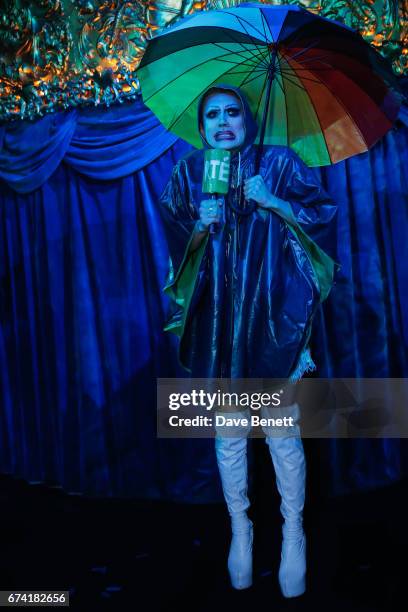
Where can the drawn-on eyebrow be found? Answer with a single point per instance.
(232, 105)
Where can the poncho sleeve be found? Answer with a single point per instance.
(315, 217)
(179, 214)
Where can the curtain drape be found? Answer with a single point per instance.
(101, 143)
(83, 261)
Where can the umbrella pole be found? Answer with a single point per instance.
(270, 77)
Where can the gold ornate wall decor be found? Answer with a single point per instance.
(57, 54)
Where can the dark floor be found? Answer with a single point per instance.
(137, 555)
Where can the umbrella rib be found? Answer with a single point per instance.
(310, 59)
(262, 52)
(263, 25)
(286, 74)
(254, 42)
(225, 61)
(294, 83)
(242, 20)
(306, 69)
(248, 67)
(286, 58)
(235, 52)
(295, 40)
(304, 49)
(259, 70)
(257, 59)
(245, 62)
(247, 79)
(264, 61)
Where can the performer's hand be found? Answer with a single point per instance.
(255, 189)
(209, 213)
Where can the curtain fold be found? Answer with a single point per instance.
(102, 143)
(83, 260)
(30, 151)
(111, 143)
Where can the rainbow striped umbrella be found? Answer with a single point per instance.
(313, 84)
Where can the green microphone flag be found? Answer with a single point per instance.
(216, 171)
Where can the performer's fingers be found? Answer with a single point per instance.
(253, 179)
(252, 188)
(250, 192)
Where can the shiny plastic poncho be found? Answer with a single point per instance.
(243, 302)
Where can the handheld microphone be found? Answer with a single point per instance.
(216, 175)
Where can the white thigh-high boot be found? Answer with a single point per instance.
(290, 468)
(231, 456)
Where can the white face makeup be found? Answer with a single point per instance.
(223, 121)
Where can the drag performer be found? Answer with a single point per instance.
(244, 297)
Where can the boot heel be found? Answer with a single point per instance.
(232, 464)
(240, 559)
(290, 468)
(292, 570)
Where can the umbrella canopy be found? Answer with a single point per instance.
(312, 83)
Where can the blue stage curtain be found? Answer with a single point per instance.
(102, 143)
(82, 263)
(362, 330)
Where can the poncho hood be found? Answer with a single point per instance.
(251, 127)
